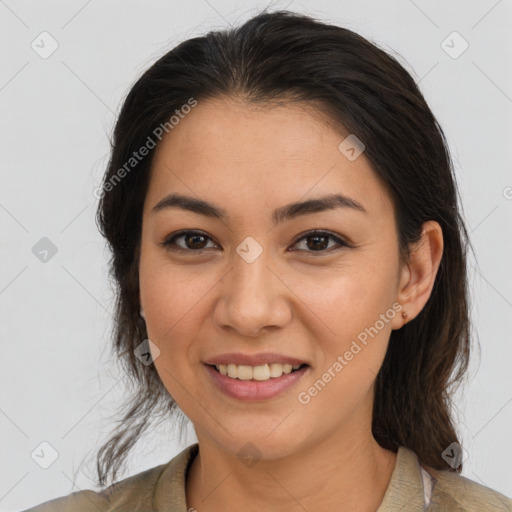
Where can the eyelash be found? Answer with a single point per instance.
(169, 242)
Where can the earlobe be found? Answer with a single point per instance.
(417, 280)
(141, 310)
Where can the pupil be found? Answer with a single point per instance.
(192, 237)
(316, 238)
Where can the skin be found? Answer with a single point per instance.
(305, 303)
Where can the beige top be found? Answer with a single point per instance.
(412, 488)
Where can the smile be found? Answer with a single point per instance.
(254, 383)
(260, 372)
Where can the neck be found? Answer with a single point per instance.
(343, 472)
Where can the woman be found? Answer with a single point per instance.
(291, 268)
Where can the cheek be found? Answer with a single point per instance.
(353, 299)
(176, 301)
(351, 306)
(172, 301)
(168, 290)
(355, 346)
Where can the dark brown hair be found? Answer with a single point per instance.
(283, 56)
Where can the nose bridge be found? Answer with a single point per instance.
(251, 298)
(250, 272)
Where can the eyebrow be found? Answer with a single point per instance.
(280, 215)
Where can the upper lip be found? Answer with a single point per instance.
(254, 359)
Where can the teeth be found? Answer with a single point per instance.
(263, 372)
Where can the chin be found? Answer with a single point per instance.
(254, 445)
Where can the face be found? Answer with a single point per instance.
(235, 279)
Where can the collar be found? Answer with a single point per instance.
(405, 490)
(170, 488)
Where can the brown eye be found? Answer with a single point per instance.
(192, 241)
(195, 241)
(315, 241)
(318, 241)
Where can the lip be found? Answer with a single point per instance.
(252, 390)
(254, 359)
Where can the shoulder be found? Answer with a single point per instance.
(455, 492)
(141, 492)
(416, 486)
(136, 490)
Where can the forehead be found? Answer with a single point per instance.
(230, 151)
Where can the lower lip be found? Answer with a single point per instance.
(255, 389)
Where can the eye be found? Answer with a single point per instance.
(319, 241)
(195, 241)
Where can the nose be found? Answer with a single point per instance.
(253, 297)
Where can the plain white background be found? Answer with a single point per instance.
(59, 383)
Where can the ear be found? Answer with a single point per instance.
(141, 310)
(417, 276)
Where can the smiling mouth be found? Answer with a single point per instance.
(257, 373)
